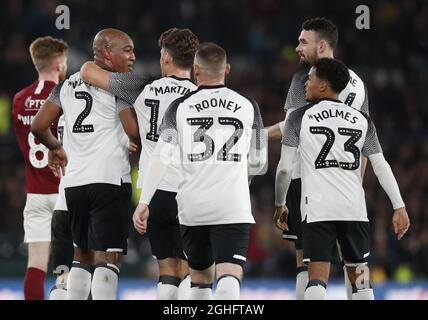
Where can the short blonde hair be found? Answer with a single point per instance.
(44, 50)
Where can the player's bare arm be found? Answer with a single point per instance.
(95, 75)
(129, 121)
(40, 127)
(275, 132)
(282, 183)
(363, 166)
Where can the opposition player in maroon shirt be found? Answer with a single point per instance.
(49, 56)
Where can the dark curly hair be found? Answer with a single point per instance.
(325, 30)
(181, 44)
(334, 71)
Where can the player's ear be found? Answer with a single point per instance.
(323, 85)
(228, 68)
(322, 46)
(106, 54)
(167, 57)
(196, 70)
(57, 65)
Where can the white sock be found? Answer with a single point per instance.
(228, 288)
(201, 292)
(104, 282)
(316, 290)
(348, 284)
(363, 294)
(302, 280)
(166, 291)
(184, 289)
(58, 292)
(167, 288)
(79, 282)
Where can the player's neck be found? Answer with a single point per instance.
(330, 96)
(49, 76)
(202, 81)
(326, 54)
(179, 73)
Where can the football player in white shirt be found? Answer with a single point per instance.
(62, 243)
(332, 137)
(150, 99)
(213, 128)
(318, 39)
(98, 182)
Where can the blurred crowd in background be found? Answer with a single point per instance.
(260, 37)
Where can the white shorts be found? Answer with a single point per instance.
(61, 204)
(38, 217)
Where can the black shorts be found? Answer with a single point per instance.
(320, 240)
(204, 245)
(100, 216)
(163, 227)
(294, 220)
(62, 243)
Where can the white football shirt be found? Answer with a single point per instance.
(331, 137)
(150, 104)
(96, 141)
(354, 95)
(213, 127)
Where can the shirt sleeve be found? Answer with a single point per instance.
(296, 96)
(292, 125)
(122, 105)
(127, 86)
(365, 105)
(54, 96)
(258, 138)
(371, 144)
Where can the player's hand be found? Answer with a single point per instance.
(57, 161)
(139, 218)
(401, 222)
(132, 147)
(280, 218)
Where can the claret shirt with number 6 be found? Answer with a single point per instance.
(26, 104)
(332, 137)
(214, 128)
(97, 146)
